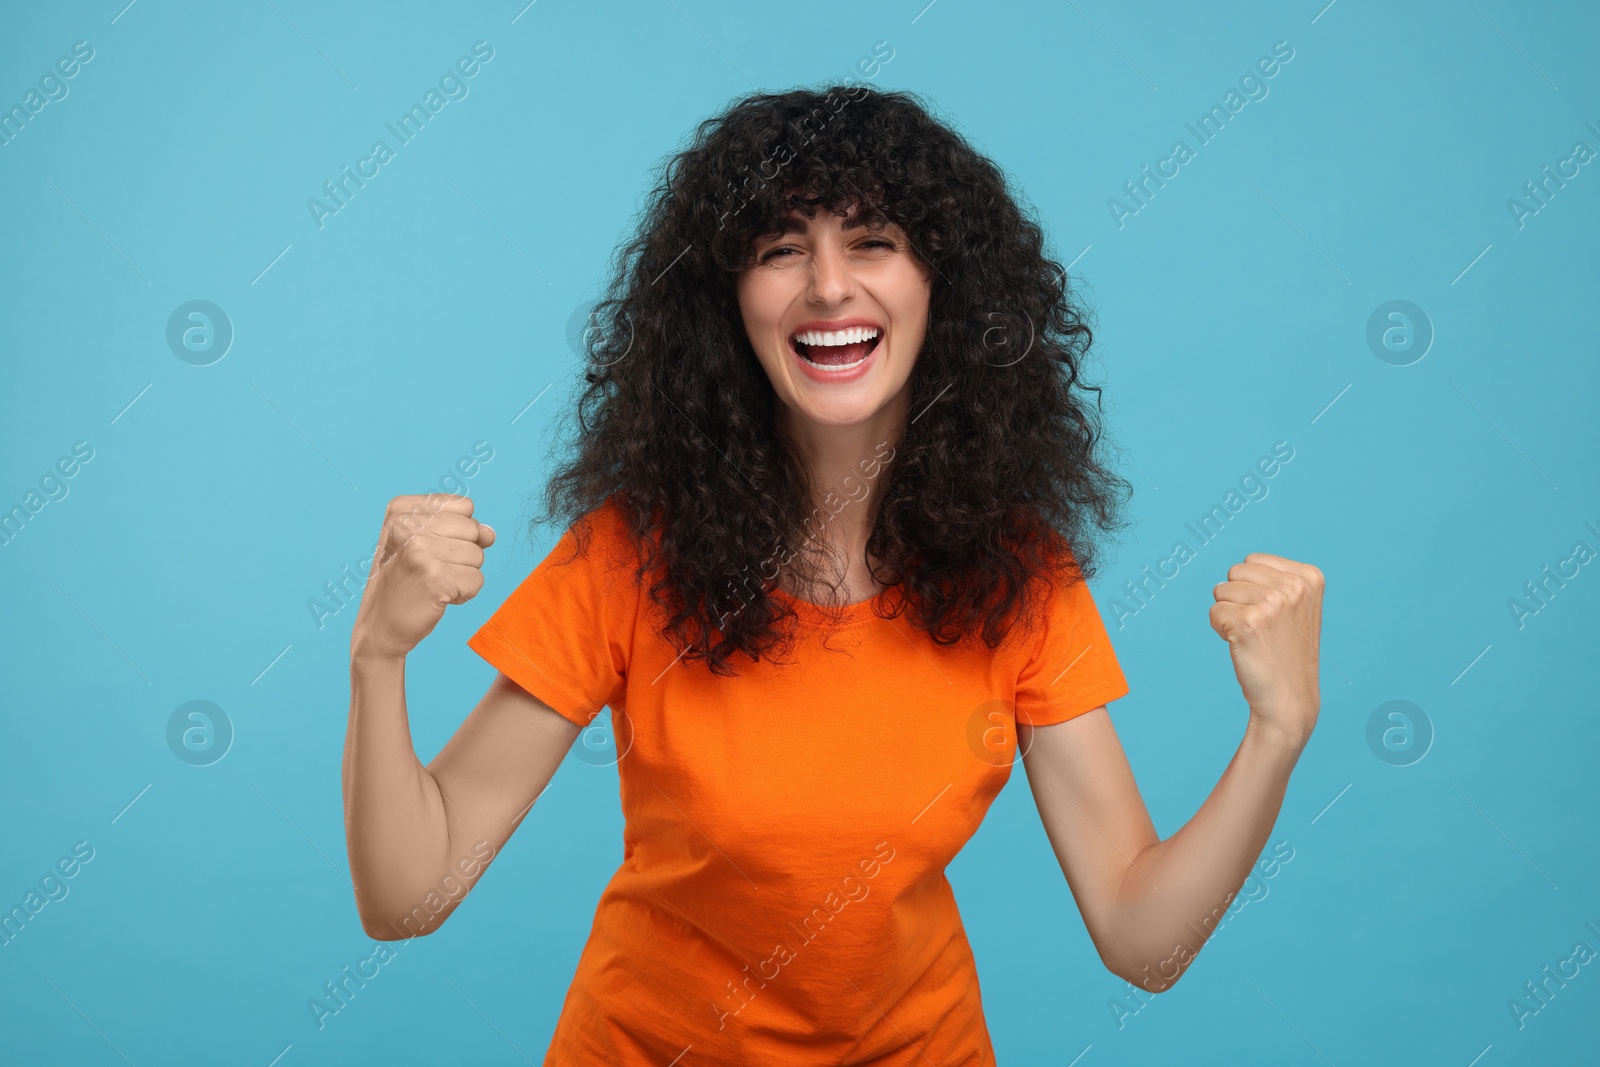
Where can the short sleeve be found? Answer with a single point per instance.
(566, 632)
(1072, 668)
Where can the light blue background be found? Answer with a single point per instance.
(429, 312)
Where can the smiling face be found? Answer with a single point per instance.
(837, 318)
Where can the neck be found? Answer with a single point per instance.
(845, 464)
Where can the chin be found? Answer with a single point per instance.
(834, 418)
(837, 413)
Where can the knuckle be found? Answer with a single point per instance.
(465, 587)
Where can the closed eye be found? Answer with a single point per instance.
(878, 241)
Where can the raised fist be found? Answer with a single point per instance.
(430, 554)
(1270, 613)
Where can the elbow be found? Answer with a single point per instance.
(1143, 978)
(1134, 963)
(1118, 957)
(1130, 951)
(1134, 976)
(401, 916)
(382, 927)
(1152, 976)
(383, 931)
(1117, 961)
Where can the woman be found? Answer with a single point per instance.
(835, 495)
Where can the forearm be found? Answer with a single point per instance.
(1176, 891)
(395, 820)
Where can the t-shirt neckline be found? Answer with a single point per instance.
(847, 614)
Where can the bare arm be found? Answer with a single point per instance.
(1150, 904)
(415, 833)
(419, 837)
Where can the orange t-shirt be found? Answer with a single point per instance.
(782, 896)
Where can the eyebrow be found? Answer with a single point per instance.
(796, 224)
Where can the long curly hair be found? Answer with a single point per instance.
(999, 479)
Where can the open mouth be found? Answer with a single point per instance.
(836, 350)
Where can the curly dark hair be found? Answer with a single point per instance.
(999, 479)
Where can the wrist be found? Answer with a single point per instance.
(1278, 734)
(368, 655)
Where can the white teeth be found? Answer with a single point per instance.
(825, 338)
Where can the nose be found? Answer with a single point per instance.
(831, 279)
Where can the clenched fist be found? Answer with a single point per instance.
(430, 553)
(1270, 613)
